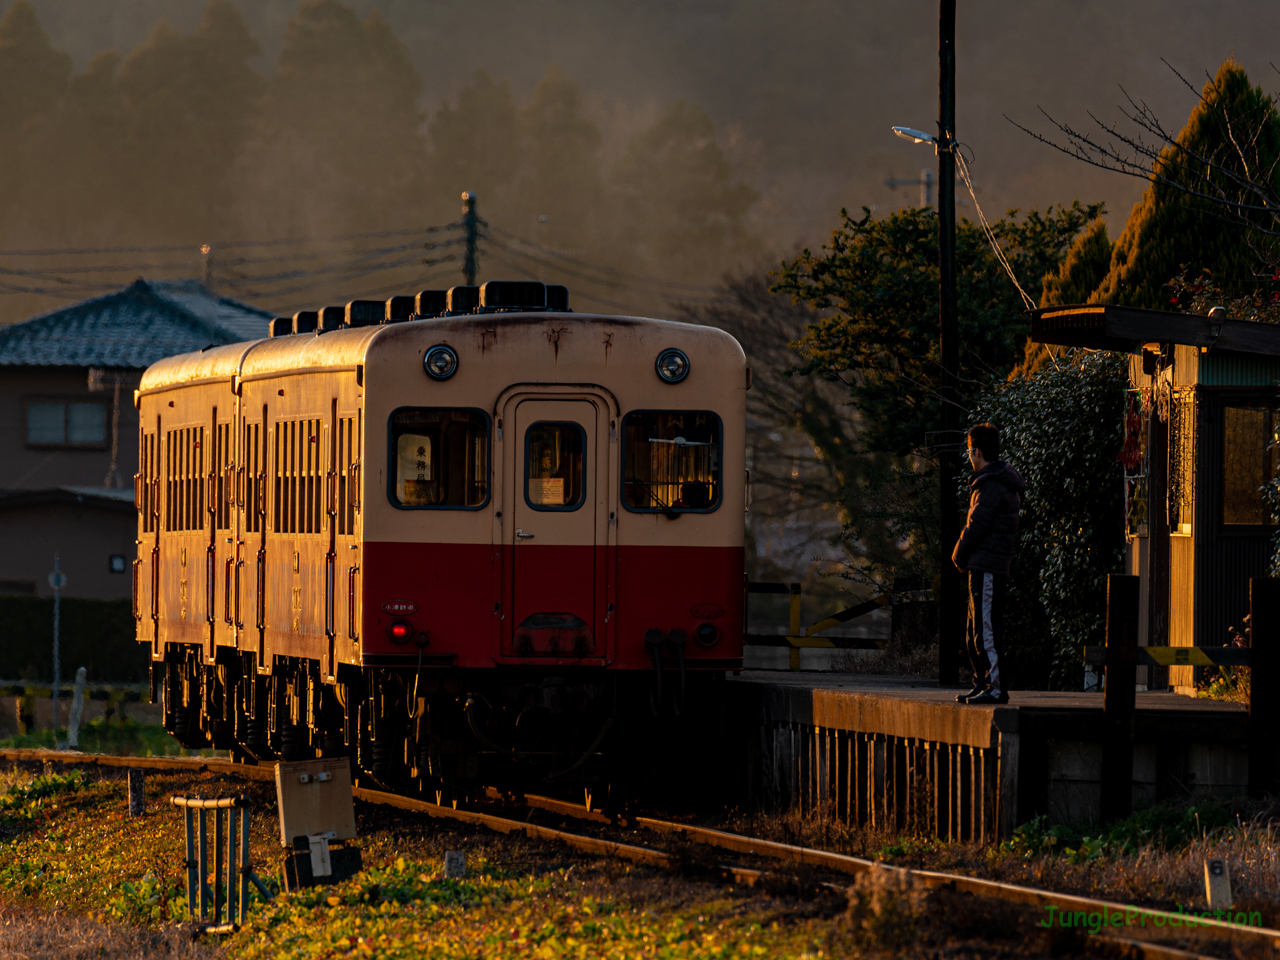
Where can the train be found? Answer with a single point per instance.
(467, 537)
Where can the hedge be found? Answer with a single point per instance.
(95, 634)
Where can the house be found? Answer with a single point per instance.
(1200, 421)
(68, 427)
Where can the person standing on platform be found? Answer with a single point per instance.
(984, 552)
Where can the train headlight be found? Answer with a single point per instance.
(400, 631)
(706, 634)
(440, 362)
(672, 365)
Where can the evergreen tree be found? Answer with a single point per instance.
(85, 192)
(1170, 229)
(475, 144)
(189, 102)
(33, 81)
(678, 195)
(1083, 268)
(561, 178)
(340, 145)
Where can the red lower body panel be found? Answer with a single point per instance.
(465, 598)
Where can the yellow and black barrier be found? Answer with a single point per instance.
(798, 637)
(1176, 656)
(1122, 656)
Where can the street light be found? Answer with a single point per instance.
(950, 587)
(916, 136)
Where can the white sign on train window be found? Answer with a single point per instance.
(413, 477)
(547, 492)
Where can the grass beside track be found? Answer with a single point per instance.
(66, 846)
(121, 738)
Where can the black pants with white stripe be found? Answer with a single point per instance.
(985, 635)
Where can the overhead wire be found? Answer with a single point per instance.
(963, 167)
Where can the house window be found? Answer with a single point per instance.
(1248, 464)
(62, 423)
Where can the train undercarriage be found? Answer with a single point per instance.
(446, 734)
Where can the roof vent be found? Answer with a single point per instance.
(330, 318)
(366, 313)
(400, 309)
(505, 295)
(431, 303)
(558, 298)
(304, 321)
(462, 300)
(280, 327)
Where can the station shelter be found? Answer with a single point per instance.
(1199, 449)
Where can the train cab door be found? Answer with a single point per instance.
(558, 529)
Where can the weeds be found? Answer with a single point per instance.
(122, 738)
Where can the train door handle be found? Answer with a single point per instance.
(521, 535)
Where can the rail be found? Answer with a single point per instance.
(842, 863)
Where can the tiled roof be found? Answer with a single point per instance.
(131, 328)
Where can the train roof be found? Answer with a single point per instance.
(348, 347)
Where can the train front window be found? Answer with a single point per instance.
(554, 466)
(439, 458)
(672, 460)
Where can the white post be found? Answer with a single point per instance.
(77, 711)
(57, 581)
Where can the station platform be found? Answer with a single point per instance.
(900, 752)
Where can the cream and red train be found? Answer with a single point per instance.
(493, 539)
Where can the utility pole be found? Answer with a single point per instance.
(950, 583)
(471, 223)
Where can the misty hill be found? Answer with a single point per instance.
(795, 101)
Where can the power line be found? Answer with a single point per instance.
(232, 244)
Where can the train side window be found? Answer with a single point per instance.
(671, 461)
(439, 458)
(554, 466)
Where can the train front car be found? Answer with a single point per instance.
(495, 548)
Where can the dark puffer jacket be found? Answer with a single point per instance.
(991, 531)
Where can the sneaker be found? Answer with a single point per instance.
(986, 697)
(964, 697)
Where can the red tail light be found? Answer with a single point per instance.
(400, 631)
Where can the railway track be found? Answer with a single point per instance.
(823, 860)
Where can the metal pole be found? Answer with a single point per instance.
(471, 223)
(233, 844)
(192, 877)
(57, 657)
(204, 864)
(244, 864)
(219, 818)
(950, 586)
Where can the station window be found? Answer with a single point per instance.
(672, 460)
(554, 466)
(439, 458)
(60, 423)
(1248, 464)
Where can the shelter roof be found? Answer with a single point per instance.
(132, 327)
(1109, 327)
